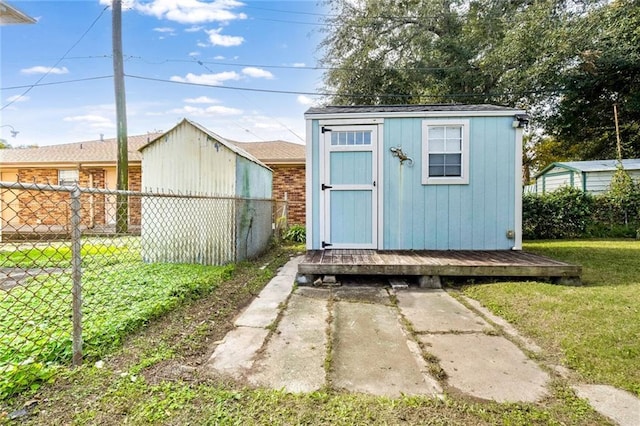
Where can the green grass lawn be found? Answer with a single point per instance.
(593, 329)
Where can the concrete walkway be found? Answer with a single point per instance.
(375, 340)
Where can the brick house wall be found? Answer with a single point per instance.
(53, 208)
(135, 203)
(291, 179)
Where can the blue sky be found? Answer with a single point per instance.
(266, 45)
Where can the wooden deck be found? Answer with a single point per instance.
(433, 262)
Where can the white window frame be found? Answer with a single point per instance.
(445, 180)
(62, 181)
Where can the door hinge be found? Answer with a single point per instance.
(326, 187)
(324, 129)
(324, 245)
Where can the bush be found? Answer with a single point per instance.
(570, 213)
(564, 213)
(296, 234)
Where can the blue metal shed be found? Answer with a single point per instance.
(414, 177)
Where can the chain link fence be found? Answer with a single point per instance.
(81, 267)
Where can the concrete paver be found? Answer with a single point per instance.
(489, 367)
(264, 308)
(294, 357)
(235, 355)
(436, 311)
(377, 295)
(620, 406)
(370, 353)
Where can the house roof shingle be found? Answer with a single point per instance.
(105, 152)
(275, 152)
(96, 151)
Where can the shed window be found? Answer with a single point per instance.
(351, 137)
(445, 152)
(67, 177)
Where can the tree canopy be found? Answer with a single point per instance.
(566, 62)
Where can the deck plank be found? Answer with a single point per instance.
(433, 262)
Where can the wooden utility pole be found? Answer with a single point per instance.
(121, 119)
(618, 143)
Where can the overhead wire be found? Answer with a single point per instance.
(299, 92)
(37, 83)
(247, 100)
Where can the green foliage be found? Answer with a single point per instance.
(568, 213)
(119, 296)
(27, 374)
(296, 234)
(566, 62)
(563, 213)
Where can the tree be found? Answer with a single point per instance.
(383, 51)
(566, 62)
(4, 144)
(607, 72)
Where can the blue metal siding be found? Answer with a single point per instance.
(471, 216)
(450, 217)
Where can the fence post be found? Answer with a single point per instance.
(76, 275)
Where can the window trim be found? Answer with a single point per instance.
(445, 180)
(61, 181)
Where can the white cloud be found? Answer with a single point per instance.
(218, 39)
(305, 100)
(222, 110)
(257, 72)
(194, 29)
(210, 79)
(219, 58)
(39, 69)
(202, 100)
(164, 30)
(92, 120)
(203, 112)
(17, 98)
(194, 53)
(299, 64)
(201, 44)
(191, 11)
(188, 109)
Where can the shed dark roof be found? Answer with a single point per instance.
(337, 109)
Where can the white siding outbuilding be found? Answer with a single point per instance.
(589, 176)
(228, 214)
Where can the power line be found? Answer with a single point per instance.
(301, 92)
(54, 83)
(57, 62)
(348, 95)
(247, 100)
